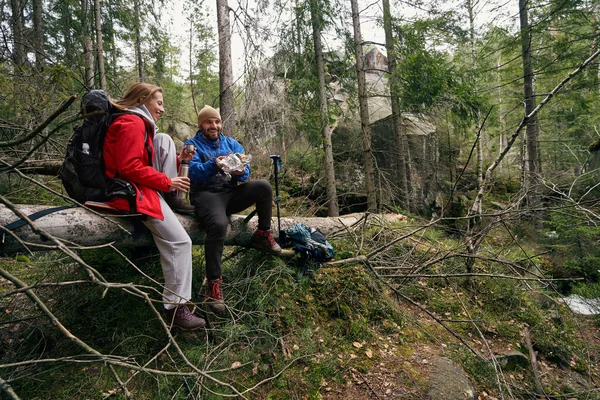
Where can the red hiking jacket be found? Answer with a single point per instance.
(125, 156)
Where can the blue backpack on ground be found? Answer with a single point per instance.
(311, 244)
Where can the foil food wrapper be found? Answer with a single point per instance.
(236, 162)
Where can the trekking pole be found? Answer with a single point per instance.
(276, 168)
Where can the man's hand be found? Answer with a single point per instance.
(186, 154)
(180, 183)
(219, 161)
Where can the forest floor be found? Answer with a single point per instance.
(401, 365)
(346, 335)
(407, 374)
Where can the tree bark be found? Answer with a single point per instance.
(225, 69)
(100, 51)
(478, 127)
(39, 167)
(333, 209)
(191, 64)
(364, 112)
(65, 27)
(475, 222)
(88, 56)
(38, 33)
(403, 177)
(81, 227)
(18, 26)
(532, 128)
(109, 30)
(138, 41)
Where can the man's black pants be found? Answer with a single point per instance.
(213, 209)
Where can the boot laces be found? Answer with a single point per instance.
(215, 290)
(269, 236)
(184, 313)
(271, 239)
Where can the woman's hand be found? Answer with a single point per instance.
(180, 183)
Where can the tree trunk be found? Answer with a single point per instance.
(324, 111)
(108, 32)
(191, 52)
(100, 55)
(18, 26)
(364, 112)
(138, 41)
(298, 31)
(88, 55)
(403, 177)
(83, 228)
(532, 130)
(225, 69)
(501, 112)
(89, 62)
(474, 223)
(38, 33)
(66, 24)
(478, 127)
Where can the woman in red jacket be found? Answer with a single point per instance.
(129, 154)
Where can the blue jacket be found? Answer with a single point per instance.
(204, 173)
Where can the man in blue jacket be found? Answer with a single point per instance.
(216, 194)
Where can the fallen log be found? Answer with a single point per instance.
(83, 227)
(40, 167)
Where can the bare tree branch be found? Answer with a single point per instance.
(42, 126)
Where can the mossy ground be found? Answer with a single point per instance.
(343, 333)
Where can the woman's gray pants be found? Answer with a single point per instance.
(172, 241)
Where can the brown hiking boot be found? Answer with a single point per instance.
(214, 297)
(181, 317)
(177, 205)
(264, 241)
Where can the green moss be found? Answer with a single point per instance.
(480, 369)
(22, 258)
(509, 331)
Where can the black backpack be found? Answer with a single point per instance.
(82, 171)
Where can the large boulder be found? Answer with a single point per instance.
(450, 382)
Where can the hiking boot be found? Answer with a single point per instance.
(264, 241)
(214, 297)
(177, 205)
(181, 317)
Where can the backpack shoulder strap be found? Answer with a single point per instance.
(38, 214)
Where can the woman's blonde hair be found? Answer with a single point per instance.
(137, 95)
